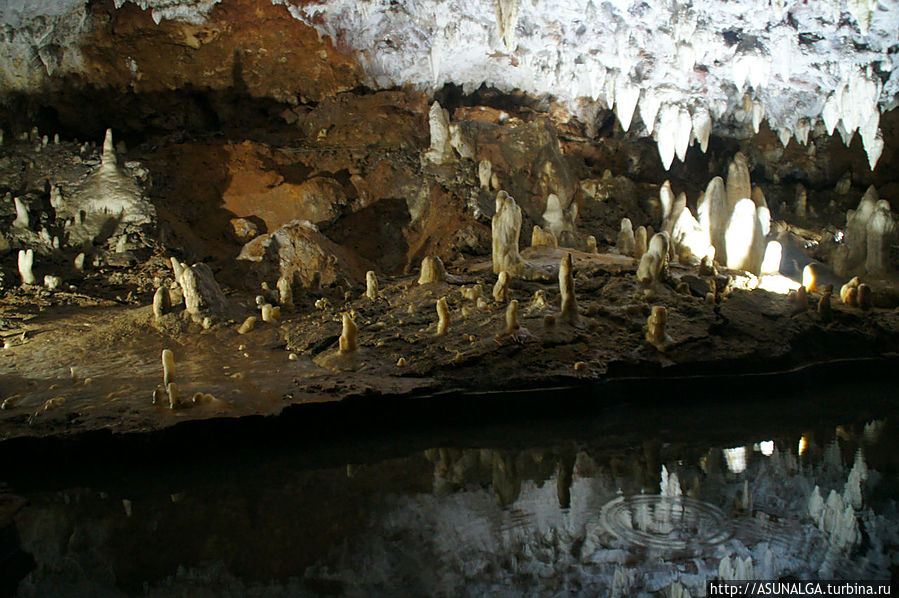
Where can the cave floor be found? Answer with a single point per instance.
(76, 364)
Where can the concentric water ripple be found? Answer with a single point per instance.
(664, 522)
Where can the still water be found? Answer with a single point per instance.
(644, 496)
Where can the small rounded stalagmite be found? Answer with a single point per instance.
(501, 288)
(348, 336)
(442, 316)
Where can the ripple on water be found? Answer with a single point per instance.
(671, 523)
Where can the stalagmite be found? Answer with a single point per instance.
(542, 238)
(626, 241)
(348, 336)
(799, 299)
(247, 325)
(800, 201)
(656, 328)
(512, 326)
(161, 303)
(26, 261)
(653, 265)
(744, 241)
(285, 293)
(371, 285)
(739, 185)
(485, 171)
(506, 226)
(569, 311)
(432, 270)
(556, 219)
(666, 200)
(713, 214)
(441, 149)
(640, 242)
(852, 255)
(55, 198)
(501, 288)
(168, 367)
(880, 232)
(271, 313)
(22, 220)
(471, 293)
(201, 291)
(864, 297)
(79, 262)
(52, 282)
(771, 260)
(849, 292)
(687, 236)
(825, 310)
(442, 316)
(591, 244)
(177, 268)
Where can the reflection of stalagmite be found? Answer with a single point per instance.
(653, 265)
(348, 336)
(626, 241)
(432, 270)
(569, 312)
(506, 225)
(442, 316)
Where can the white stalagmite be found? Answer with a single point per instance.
(442, 316)
(79, 261)
(201, 291)
(687, 235)
(713, 215)
(22, 220)
(569, 311)
(52, 282)
(627, 96)
(739, 185)
(558, 219)
(501, 288)
(666, 199)
(881, 229)
(26, 262)
(485, 171)
(771, 260)
(744, 240)
(55, 198)
(852, 255)
(626, 241)
(247, 325)
(506, 226)
(512, 326)
(432, 270)
(441, 148)
(177, 268)
(348, 341)
(702, 127)
(371, 285)
(654, 263)
(640, 242)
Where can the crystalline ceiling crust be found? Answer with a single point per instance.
(829, 59)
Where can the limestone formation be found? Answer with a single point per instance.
(656, 328)
(772, 258)
(744, 241)
(270, 313)
(849, 292)
(512, 326)
(52, 282)
(501, 288)
(880, 232)
(441, 148)
(557, 219)
(506, 227)
(640, 242)
(22, 219)
(714, 214)
(569, 313)
(432, 270)
(653, 265)
(442, 316)
(485, 171)
(864, 297)
(851, 257)
(202, 294)
(161, 302)
(168, 367)
(247, 325)
(799, 299)
(591, 244)
(177, 268)
(739, 185)
(825, 310)
(348, 341)
(285, 294)
(626, 241)
(26, 261)
(371, 285)
(542, 238)
(800, 201)
(79, 262)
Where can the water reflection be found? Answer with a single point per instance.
(622, 516)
